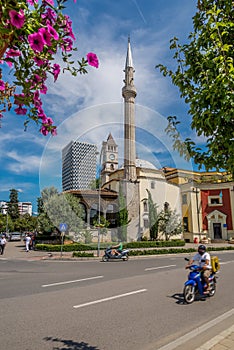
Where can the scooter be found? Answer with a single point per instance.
(108, 255)
(195, 285)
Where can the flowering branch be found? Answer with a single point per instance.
(31, 34)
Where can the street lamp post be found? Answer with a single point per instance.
(99, 202)
(99, 217)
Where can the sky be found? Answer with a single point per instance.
(89, 107)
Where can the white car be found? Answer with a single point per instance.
(15, 236)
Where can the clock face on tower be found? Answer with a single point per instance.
(112, 156)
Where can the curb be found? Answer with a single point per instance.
(218, 338)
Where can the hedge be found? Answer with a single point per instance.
(82, 255)
(82, 248)
(152, 244)
(66, 247)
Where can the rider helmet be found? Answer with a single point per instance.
(201, 249)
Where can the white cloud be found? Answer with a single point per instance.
(26, 164)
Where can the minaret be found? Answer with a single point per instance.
(130, 185)
(129, 93)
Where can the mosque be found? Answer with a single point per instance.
(203, 201)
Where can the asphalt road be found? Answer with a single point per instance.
(100, 306)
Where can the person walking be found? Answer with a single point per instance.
(27, 242)
(3, 242)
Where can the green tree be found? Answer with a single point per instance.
(102, 226)
(153, 217)
(13, 207)
(169, 222)
(122, 216)
(25, 222)
(40, 208)
(205, 78)
(65, 208)
(6, 223)
(45, 225)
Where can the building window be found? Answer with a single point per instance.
(145, 204)
(152, 185)
(185, 224)
(184, 198)
(146, 223)
(215, 201)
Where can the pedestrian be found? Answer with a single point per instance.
(3, 242)
(33, 241)
(27, 242)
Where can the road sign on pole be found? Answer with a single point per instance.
(63, 227)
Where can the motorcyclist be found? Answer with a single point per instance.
(204, 262)
(117, 249)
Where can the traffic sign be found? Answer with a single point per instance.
(63, 227)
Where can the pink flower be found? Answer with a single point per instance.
(39, 62)
(49, 14)
(67, 44)
(54, 132)
(19, 98)
(36, 99)
(56, 71)
(92, 59)
(31, 2)
(46, 36)
(44, 130)
(17, 18)
(13, 53)
(36, 42)
(10, 64)
(49, 121)
(68, 28)
(52, 32)
(20, 111)
(43, 89)
(2, 85)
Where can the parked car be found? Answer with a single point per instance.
(15, 236)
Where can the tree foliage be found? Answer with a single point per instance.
(13, 208)
(153, 217)
(169, 222)
(122, 216)
(63, 208)
(205, 78)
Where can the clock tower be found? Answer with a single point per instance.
(109, 159)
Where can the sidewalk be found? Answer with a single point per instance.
(222, 341)
(16, 250)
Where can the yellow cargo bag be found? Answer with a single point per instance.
(215, 263)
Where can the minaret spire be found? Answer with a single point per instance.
(129, 62)
(129, 93)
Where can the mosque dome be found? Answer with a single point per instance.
(141, 163)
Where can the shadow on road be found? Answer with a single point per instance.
(179, 298)
(67, 344)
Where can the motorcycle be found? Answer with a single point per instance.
(108, 255)
(195, 285)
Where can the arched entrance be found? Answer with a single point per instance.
(217, 225)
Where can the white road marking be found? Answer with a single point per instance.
(158, 267)
(110, 298)
(74, 281)
(196, 332)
